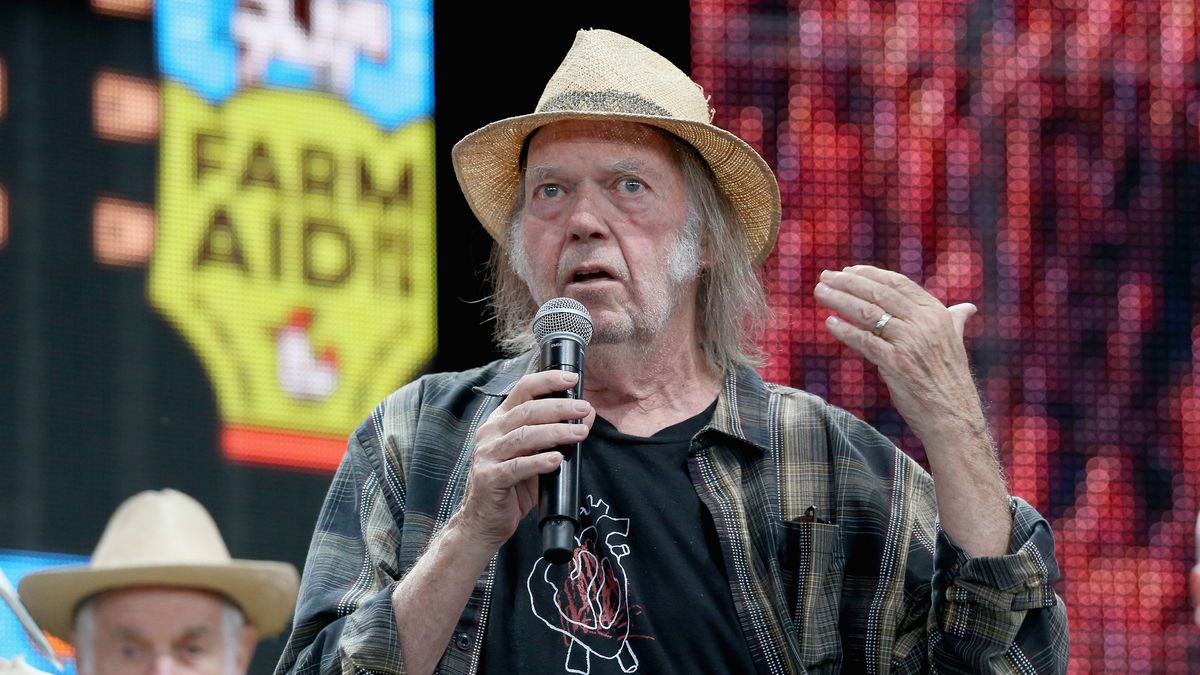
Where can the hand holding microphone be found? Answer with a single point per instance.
(515, 447)
(563, 327)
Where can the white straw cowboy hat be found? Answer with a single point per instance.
(163, 538)
(607, 76)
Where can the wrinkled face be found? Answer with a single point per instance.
(163, 630)
(606, 222)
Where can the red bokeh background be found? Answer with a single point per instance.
(1038, 158)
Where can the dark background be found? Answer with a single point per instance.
(99, 397)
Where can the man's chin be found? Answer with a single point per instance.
(599, 302)
(611, 330)
(598, 294)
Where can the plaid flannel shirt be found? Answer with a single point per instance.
(829, 533)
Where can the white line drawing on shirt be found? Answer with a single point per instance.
(587, 599)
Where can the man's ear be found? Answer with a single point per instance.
(247, 641)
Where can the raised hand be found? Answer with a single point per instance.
(914, 340)
(917, 344)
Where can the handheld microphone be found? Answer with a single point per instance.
(563, 328)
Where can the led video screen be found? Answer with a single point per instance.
(1041, 160)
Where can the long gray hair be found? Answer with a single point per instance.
(731, 303)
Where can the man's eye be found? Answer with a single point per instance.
(548, 191)
(130, 652)
(630, 185)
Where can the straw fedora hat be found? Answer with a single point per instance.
(163, 538)
(607, 76)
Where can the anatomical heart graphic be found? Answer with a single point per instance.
(587, 599)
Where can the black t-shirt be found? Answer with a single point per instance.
(646, 591)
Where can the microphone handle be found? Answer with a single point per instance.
(558, 491)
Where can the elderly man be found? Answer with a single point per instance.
(725, 524)
(161, 594)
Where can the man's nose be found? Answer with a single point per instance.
(165, 664)
(587, 218)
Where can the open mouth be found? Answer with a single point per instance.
(584, 276)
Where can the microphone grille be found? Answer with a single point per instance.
(562, 315)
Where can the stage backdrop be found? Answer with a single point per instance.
(1041, 160)
(227, 230)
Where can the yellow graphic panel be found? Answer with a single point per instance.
(295, 252)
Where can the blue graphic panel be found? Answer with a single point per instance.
(375, 54)
(13, 639)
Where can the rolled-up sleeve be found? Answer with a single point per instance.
(999, 613)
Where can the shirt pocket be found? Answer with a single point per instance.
(812, 563)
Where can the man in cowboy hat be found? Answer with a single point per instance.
(162, 594)
(725, 525)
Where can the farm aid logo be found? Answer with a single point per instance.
(295, 246)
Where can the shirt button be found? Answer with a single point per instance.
(462, 641)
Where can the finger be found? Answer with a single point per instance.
(541, 411)
(901, 284)
(876, 350)
(529, 440)
(881, 295)
(539, 384)
(527, 495)
(851, 307)
(521, 469)
(960, 313)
